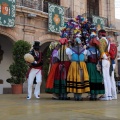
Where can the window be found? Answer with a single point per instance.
(93, 7)
(45, 8)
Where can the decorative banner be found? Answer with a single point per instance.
(99, 22)
(7, 13)
(56, 18)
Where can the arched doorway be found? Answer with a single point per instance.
(5, 60)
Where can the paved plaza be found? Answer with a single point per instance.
(17, 107)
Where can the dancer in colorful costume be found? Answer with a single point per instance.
(52, 73)
(104, 47)
(62, 70)
(35, 71)
(77, 78)
(95, 76)
(113, 54)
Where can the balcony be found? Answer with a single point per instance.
(39, 5)
(89, 17)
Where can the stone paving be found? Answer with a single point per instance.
(17, 107)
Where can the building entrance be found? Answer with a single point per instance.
(6, 45)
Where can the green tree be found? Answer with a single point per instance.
(19, 67)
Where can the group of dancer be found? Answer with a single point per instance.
(82, 61)
(79, 68)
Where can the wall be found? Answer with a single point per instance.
(117, 24)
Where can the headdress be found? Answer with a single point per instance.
(102, 32)
(63, 41)
(53, 45)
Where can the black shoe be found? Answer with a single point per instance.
(92, 99)
(66, 98)
(78, 99)
(61, 98)
(95, 99)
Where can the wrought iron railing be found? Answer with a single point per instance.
(89, 17)
(39, 5)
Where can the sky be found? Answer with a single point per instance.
(117, 9)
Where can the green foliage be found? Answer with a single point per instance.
(46, 65)
(19, 67)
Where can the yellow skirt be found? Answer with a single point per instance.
(75, 82)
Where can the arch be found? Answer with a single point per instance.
(48, 38)
(8, 35)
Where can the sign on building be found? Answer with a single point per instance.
(99, 22)
(56, 18)
(7, 13)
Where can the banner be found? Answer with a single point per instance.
(56, 18)
(7, 13)
(99, 22)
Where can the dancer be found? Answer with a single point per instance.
(35, 71)
(104, 55)
(113, 54)
(77, 78)
(62, 70)
(52, 73)
(95, 76)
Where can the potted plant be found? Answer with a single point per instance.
(19, 67)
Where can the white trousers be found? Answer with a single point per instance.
(34, 73)
(106, 77)
(113, 84)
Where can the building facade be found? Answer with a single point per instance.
(31, 23)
